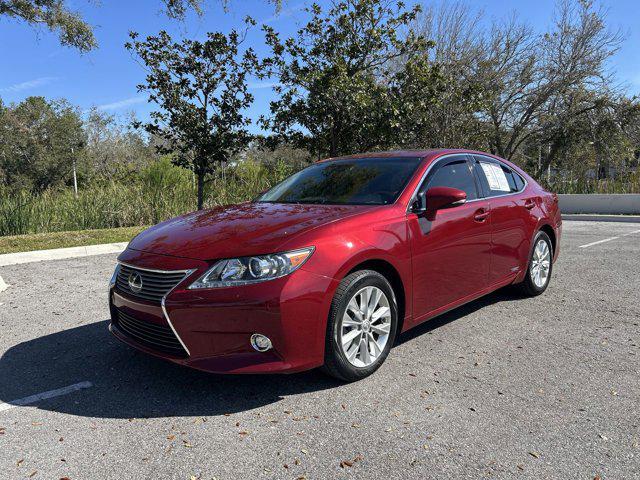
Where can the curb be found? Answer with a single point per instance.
(601, 218)
(60, 253)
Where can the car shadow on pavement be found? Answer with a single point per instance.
(130, 384)
(506, 294)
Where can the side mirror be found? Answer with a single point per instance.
(444, 197)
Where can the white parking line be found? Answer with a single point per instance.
(599, 241)
(44, 395)
(609, 239)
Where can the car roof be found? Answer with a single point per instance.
(402, 154)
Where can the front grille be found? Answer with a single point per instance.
(155, 285)
(152, 335)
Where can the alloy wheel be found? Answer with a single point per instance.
(540, 264)
(365, 326)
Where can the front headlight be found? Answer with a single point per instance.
(246, 270)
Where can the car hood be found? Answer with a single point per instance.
(238, 230)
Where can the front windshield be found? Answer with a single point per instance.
(354, 181)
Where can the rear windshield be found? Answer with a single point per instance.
(362, 181)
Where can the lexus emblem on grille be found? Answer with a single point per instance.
(135, 282)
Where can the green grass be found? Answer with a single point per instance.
(45, 241)
(159, 192)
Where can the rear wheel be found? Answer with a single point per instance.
(540, 266)
(362, 326)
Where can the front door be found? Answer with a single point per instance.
(451, 252)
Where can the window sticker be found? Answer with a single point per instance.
(495, 176)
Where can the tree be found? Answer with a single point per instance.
(451, 121)
(337, 91)
(178, 8)
(592, 131)
(39, 141)
(114, 149)
(525, 76)
(201, 91)
(70, 26)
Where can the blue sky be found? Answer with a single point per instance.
(33, 63)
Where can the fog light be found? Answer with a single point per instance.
(260, 342)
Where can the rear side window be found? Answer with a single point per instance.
(455, 174)
(497, 179)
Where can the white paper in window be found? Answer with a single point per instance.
(495, 176)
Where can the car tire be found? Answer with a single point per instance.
(534, 285)
(360, 287)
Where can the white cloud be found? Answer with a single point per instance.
(261, 85)
(29, 84)
(287, 12)
(121, 103)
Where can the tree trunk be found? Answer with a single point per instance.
(332, 140)
(200, 176)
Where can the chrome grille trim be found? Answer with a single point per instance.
(185, 274)
(155, 284)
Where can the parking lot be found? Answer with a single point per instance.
(504, 387)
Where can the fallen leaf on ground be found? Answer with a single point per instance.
(534, 454)
(19, 462)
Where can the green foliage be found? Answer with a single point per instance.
(339, 89)
(159, 192)
(201, 91)
(72, 30)
(38, 142)
(56, 15)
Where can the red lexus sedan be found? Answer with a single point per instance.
(328, 267)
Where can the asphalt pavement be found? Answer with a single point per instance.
(504, 387)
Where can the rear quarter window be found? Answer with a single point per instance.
(498, 179)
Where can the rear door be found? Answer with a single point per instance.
(451, 252)
(504, 188)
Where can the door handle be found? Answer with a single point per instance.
(481, 215)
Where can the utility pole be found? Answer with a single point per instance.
(75, 178)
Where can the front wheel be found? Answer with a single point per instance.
(362, 326)
(540, 265)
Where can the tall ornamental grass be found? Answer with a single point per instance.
(161, 191)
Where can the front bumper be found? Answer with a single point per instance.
(215, 326)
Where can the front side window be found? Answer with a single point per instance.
(455, 174)
(358, 181)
